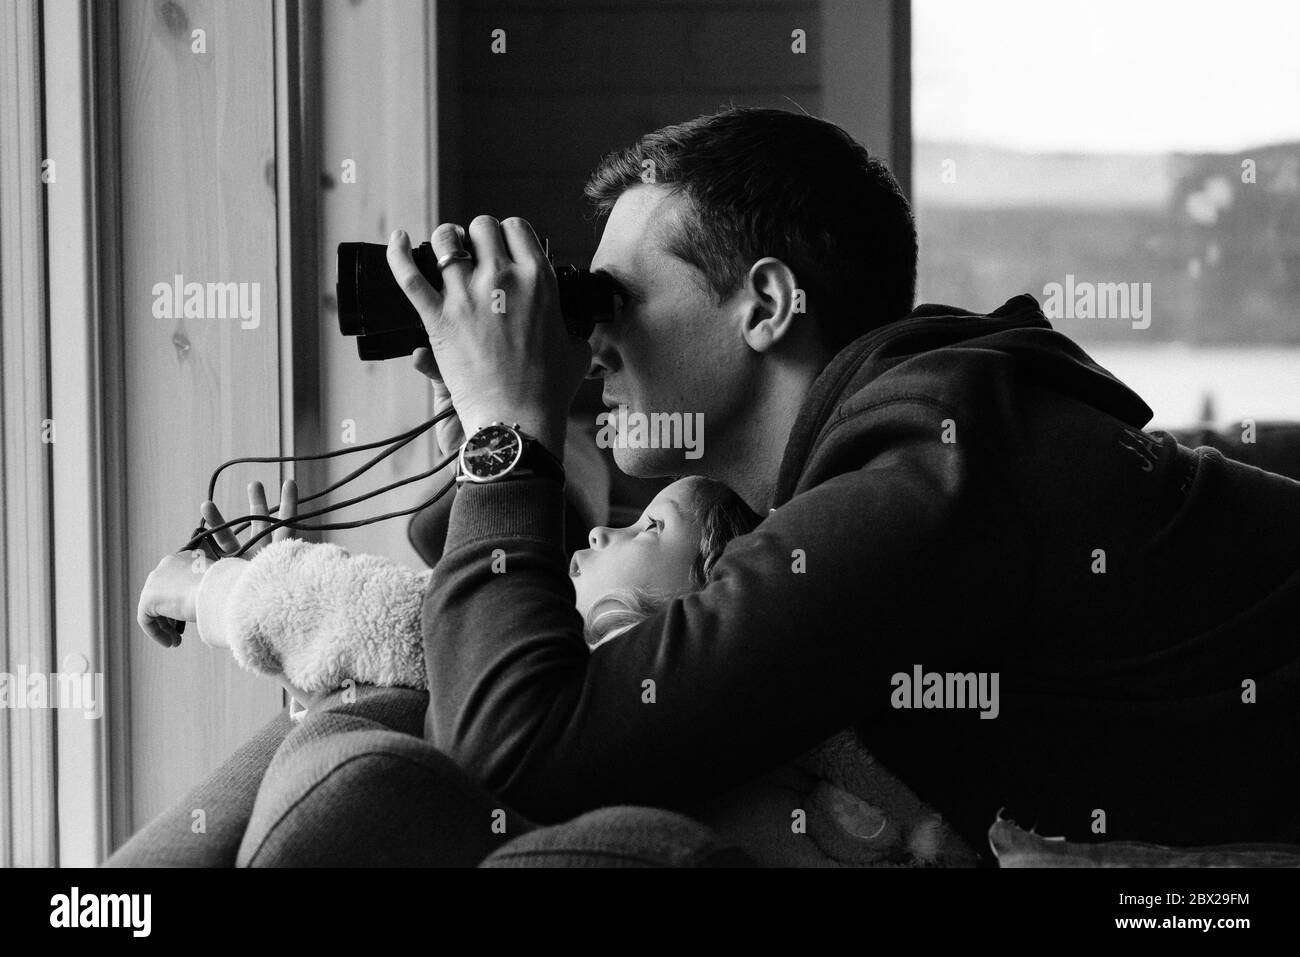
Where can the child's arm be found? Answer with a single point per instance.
(317, 615)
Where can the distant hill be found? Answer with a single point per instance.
(990, 177)
(1222, 253)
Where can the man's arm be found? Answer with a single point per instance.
(724, 684)
(587, 494)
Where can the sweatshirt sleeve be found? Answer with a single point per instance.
(796, 635)
(318, 615)
(587, 489)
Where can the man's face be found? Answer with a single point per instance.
(672, 348)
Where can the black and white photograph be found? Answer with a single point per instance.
(651, 434)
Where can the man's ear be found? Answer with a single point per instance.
(773, 305)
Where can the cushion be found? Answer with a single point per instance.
(355, 785)
(1014, 847)
(621, 837)
(226, 797)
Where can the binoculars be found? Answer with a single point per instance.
(373, 307)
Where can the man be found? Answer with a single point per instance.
(972, 552)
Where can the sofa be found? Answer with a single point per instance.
(358, 786)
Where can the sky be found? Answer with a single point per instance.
(1107, 76)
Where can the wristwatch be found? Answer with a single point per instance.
(499, 451)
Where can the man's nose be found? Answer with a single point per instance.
(603, 357)
(599, 537)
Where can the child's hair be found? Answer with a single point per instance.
(722, 515)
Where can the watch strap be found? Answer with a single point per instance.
(536, 461)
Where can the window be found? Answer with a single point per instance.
(1135, 167)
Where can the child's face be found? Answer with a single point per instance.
(656, 553)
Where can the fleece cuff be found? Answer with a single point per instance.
(215, 611)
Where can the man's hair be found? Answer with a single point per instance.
(766, 182)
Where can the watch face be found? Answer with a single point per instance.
(491, 452)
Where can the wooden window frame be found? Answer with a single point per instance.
(64, 779)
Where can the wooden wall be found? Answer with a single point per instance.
(198, 198)
(377, 110)
(28, 787)
(202, 155)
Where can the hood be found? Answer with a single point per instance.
(1043, 357)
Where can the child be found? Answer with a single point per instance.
(316, 617)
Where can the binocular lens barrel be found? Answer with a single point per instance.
(373, 307)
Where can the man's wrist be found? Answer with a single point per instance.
(548, 432)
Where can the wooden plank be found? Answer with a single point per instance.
(543, 179)
(27, 764)
(546, 133)
(622, 6)
(297, 187)
(198, 199)
(858, 71)
(900, 105)
(82, 563)
(119, 603)
(741, 46)
(376, 104)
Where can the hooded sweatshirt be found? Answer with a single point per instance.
(1022, 602)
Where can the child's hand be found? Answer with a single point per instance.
(169, 595)
(229, 543)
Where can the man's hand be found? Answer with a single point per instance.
(496, 329)
(448, 433)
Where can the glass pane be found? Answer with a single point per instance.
(1135, 167)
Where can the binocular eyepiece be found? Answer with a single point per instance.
(373, 307)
